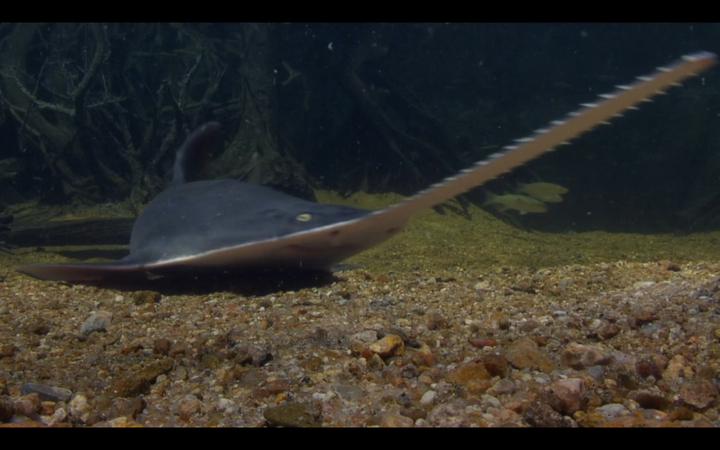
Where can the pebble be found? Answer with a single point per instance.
(97, 321)
(700, 395)
(423, 357)
(451, 415)
(580, 356)
(471, 371)
(525, 354)
(540, 414)
(428, 398)
(496, 365)
(648, 367)
(146, 297)
(161, 347)
(483, 342)
(80, 408)
(567, 396)
(293, 415)
(669, 265)
(503, 386)
(350, 393)
(612, 410)
(361, 340)
(489, 401)
(139, 382)
(58, 417)
(189, 408)
(675, 367)
(124, 422)
(436, 321)
(395, 420)
(650, 398)
(47, 393)
(7, 351)
(390, 345)
(609, 331)
(226, 405)
(28, 405)
(6, 409)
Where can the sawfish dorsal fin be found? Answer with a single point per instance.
(194, 154)
(558, 132)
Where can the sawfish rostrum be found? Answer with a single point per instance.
(219, 226)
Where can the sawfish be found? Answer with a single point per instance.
(225, 226)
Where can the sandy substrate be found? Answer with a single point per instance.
(456, 322)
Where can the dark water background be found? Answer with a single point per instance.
(93, 113)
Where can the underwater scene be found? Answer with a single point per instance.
(359, 225)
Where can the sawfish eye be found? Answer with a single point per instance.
(304, 217)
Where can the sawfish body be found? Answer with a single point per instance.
(227, 225)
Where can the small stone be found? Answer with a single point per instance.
(639, 321)
(260, 356)
(612, 410)
(124, 422)
(681, 413)
(161, 347)
(390, 345)
(409, 371)
(47, 393)
(496, 365)
(362, 340)
(669, 265)
(504, 323)
(469, 372)
(293, 415)
(24, 424)
(591, 419)
(135, 347)
(6, 409)
(699, 395)
(226, 405)
(58, 417)
(567, 396)
(145, 297)
(7, 351)
(609, 331)
(80, 408)
(652, 399)
(124, 407)
(453, 415)
(525, 354)
(436, 321)
(349, 392)
(648, 367)
(526, 326)
(483, 342)
(97, 321)
(675, 367)
(504, 386)
(139, 382)
(375, 363)
(423, 357)
(189, 408)
(277, 386)
(540, 414)
(394, 420)
(580, 356)
(428, 398)
(414, 413)
(28, 405)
